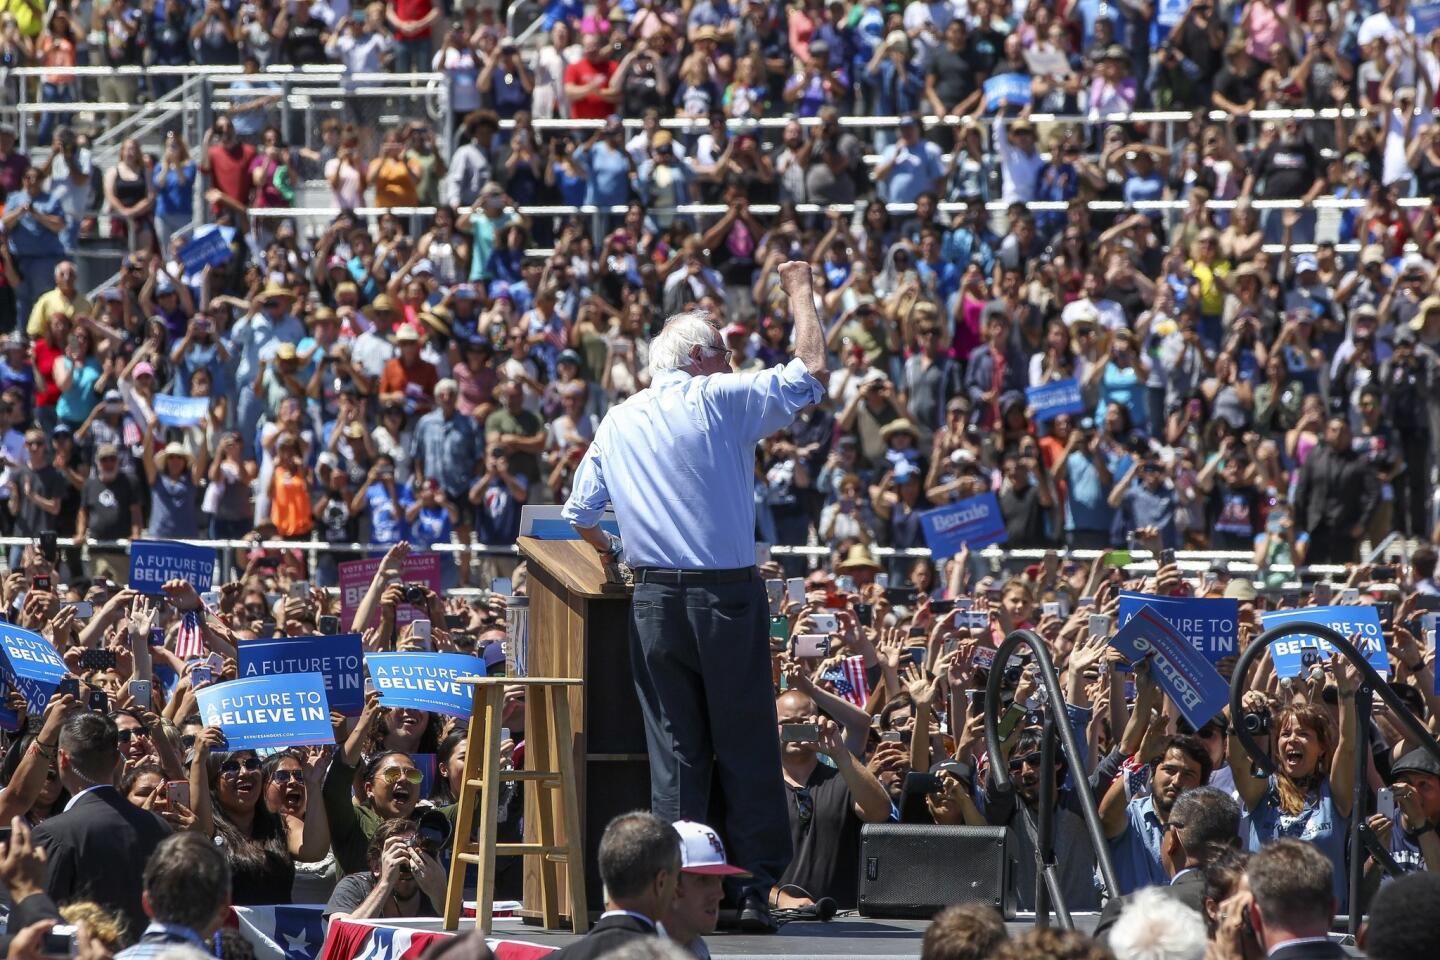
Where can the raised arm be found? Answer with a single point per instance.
(809, 337)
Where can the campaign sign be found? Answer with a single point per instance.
(208, 250)
(1288, 652)
(1054, 399)
(975, 521)
(258, 713)
(1427, 18)
(1181, 671)
(1209, 625)
(1006, 90)
(340, 659)
(425, 681)
(173, 411)
(152, 562)
(355, 577)
(30, 665)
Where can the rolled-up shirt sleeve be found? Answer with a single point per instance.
(588, 493)
(765, 401)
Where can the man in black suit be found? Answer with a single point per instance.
(1290, 905)
(639, 863)
(97, 848)
(1204, 823)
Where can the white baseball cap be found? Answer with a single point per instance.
(702, 852)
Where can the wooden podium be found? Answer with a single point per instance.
(580, 627)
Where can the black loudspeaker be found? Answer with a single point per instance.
(916, 870)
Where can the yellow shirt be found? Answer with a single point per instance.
(52, 302)
(1212, 298)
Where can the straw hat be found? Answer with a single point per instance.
(858, 557)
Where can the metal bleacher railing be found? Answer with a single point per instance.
(303, 91)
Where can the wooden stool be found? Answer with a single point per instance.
(549, 752)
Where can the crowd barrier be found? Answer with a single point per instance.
(1236, 561)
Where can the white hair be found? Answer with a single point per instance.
(1154, 926)
(672, 347)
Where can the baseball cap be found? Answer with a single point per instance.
(702, 852)
(735, 330)
(1372, 253)
(1416, 761)
(1305, 262)
(143, 368)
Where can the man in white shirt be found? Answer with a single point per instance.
(1020, 160)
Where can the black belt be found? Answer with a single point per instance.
(696, 577)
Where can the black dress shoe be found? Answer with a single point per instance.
(755, 916)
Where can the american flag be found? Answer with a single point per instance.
(189, 641)
(1137, 776)
(852, 683)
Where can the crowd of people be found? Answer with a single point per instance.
(1250, 377)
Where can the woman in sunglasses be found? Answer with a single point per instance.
(389, 788)
(290, 786)
(260, 844)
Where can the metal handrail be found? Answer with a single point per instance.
(1372, 684)
(1056, 730)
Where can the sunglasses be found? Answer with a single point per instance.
(232, 768)
(286, 776)
(396, 774)
(1033, 759)
(125, 736)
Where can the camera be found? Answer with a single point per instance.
(1256, 723)
(414, 594)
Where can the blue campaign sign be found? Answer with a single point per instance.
(30, 665)
(1054, 399)
(152, 562)
(173, 411)
(340, 659)
(1006, 90)
(1347, 621)
(425, 681)
(1427, 18)
(207, 250)
(259, 713)
(1187, 678)
(1209, 625)
(975, 521)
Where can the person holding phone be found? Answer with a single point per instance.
(1309, 794)
(826, 804)
(675, 462)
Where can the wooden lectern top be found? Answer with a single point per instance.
(574, 563)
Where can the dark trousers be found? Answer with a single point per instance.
(1412, 490)
(1328, 545)
(701, 656)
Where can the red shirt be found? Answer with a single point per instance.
(593, 107)
(412, 10)
(45, 357)
(230, 172)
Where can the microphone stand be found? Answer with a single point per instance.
(1055, 733)
(1371, 685)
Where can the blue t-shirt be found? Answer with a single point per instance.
(1318, 823)
(387, 524)
(572, 187)
(1086, 508)
(28, 238)
(914, 171)
(76, 403)
(609, 169)
(430, 526)
(174, 191)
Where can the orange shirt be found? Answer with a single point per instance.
(416, 382)
(290, 503)
(394, 183)
(57, 52)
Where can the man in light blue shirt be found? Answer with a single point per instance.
(676, 461)
(257, 337)
(1135, 830)
(911, 166)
